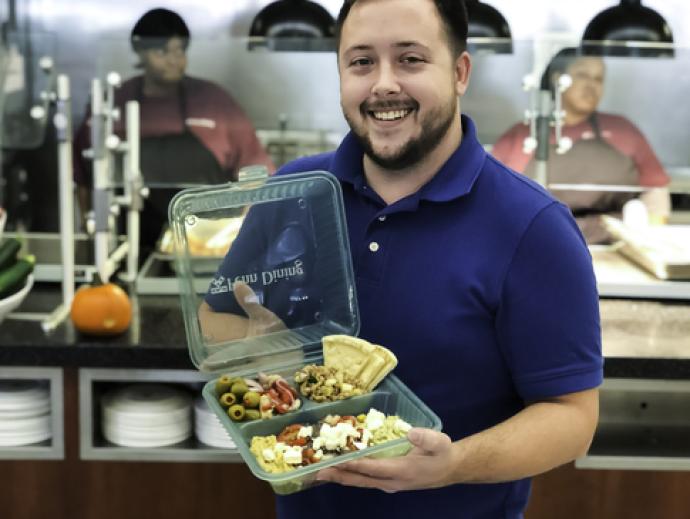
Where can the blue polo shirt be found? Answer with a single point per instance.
(483, 287)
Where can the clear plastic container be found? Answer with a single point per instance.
(292, 250)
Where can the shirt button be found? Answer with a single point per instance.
(373, 246)
(382, 218)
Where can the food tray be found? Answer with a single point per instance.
(663, 250)
(391, 397)
(293, 251)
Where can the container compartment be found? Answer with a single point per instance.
(391, 397)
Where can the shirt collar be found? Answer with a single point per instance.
(455, 178)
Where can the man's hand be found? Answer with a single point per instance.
(260, 319)
(428, 465)
(222, 326)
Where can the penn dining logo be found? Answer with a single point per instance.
(222, 285)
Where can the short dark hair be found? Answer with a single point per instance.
(156, 27)
(453, 15)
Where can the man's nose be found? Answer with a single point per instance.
(386, 82)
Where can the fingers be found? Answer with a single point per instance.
(248, 300)
(429, 441)
(261, 320)
(342, 476)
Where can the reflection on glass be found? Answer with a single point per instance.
(608, 160)
(26, 78)
(267, 277)
(192, 131)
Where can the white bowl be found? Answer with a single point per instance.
(9, 304)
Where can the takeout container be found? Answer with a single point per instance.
(293, 251)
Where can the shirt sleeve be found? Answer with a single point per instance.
(242, 136)
(508, 149)
(629, 140)
(548, 321)
(651, 171)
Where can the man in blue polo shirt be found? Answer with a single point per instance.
(475, 277)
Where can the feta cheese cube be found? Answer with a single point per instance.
(293, 455)
(366, 437)
(280, 447)
(268, 454)
(305, 432)
(374, 419)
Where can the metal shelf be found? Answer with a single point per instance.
(643, 425)
(92, 444)
(54, 448)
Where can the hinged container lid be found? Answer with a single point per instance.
(284, 238)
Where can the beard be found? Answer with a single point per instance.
(434, 127)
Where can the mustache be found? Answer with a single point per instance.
(393, 104)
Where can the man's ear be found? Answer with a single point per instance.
(463, 70)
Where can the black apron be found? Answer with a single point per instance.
(591, 162)
(168, 161)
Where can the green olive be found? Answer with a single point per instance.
(239, 388)
(252, 414)
(236, 412)
(227, 399)
(251, 399)
(223, 384)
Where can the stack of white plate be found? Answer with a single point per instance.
(146, 415)
(24, 412)
(208, 427)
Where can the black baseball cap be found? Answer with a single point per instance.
(156, 27)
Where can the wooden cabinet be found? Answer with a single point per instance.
(75, 488)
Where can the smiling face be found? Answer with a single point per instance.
(399, 82)
(167, 64)
(583, 96)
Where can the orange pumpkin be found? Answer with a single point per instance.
(101, 309)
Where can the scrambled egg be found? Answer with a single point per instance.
(275, 463)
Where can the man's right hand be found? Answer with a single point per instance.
(218, 327)
(260, 319)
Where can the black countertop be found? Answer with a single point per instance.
(641, 339)
(155, 339)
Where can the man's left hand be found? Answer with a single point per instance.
(428, 465)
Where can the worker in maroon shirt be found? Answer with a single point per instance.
(607, 149)
(192, 131)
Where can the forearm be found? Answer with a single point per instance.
(542, 436)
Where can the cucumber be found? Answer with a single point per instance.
(12, 279)
(8, 252)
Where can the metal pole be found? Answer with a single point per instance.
(101, 203)
(133, 186)
(63, 126)
(543, 133)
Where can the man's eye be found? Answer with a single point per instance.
(412, 60)
(360, 62)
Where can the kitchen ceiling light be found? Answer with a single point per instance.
(292, 25)
(628, 29)
(488, 31)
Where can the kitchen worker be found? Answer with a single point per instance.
(474, 276)
(192, 131)
(607, 149)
